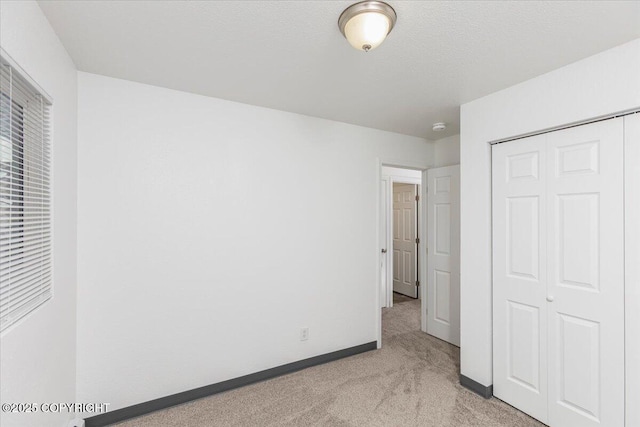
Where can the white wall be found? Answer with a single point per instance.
(38, 355)
(602, 84)
(210, 232)
(447, 151)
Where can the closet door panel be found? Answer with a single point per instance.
(586, 275)
(519, 274)
(558, 250)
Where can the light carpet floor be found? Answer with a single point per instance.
(398, 298)
(411, 381)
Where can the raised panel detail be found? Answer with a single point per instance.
(578, 159)
(523, 238)
(396, 224)
(409, 197)
(523, 166)
(578, 240)
(523, 345)
(578, 379)
(396, 264)
(407, 233)
(407, 264)
(442, 215)
(443, 184)
(442, 280)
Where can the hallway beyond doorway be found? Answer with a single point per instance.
(398, 298)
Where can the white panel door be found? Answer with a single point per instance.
(443, 258)
(558, 250)
(404, 239)
(632, 267)
(519, 275)
(585, 274)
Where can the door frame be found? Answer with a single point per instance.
(422, 253)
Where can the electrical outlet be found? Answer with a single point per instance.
(304, 334)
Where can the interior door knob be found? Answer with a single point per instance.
(550, 298)
(384, 251)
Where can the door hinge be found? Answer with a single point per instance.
(417, 240)
(418, 283)
(417, 198)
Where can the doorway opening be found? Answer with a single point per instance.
(402, 254)
(405, 241)
(419, 248)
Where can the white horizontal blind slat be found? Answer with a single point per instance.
(25, 198)
(26, 282)
(31, 238)
(18, 303)
(15, 266)
(29, 286)
(30, 270)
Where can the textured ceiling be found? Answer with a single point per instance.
(290, 55)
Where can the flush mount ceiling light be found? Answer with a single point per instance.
(365, 25)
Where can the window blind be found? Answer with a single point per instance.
(25, 197)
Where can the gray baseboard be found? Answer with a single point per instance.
(197, 393)
(476, 387)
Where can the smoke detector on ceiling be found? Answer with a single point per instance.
(438, 127)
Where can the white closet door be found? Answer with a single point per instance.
(519, 275)
(559, 275)
(443, 259)
(586, 275)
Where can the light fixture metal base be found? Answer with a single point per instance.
(367, 6)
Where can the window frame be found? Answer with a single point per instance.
(33, 174)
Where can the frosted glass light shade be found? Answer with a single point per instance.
(367, 30)
(365, 25)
